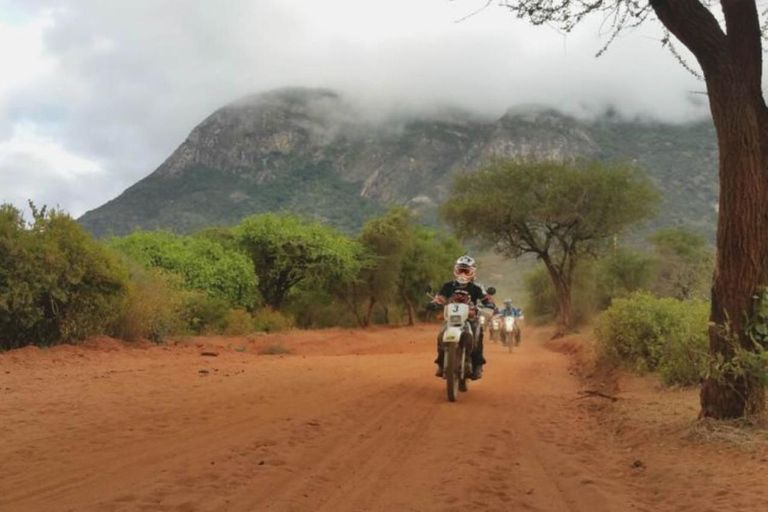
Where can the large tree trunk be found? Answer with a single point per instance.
(742, 240)
(732, 62)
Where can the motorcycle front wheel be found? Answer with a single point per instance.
(506, 339)
(452, 371)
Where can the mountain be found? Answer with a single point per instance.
(309, 151)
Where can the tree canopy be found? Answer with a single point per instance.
(202, 263)
(685, 263)
(559, 212)
(287, 250)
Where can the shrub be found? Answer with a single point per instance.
(203, 314)
(651, 334)
(203, 264)
(57, 284)
(151, 309)
(269, 320)
(238, 322)
(316, 308)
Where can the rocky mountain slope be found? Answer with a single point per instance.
(309, 151)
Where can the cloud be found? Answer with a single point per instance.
(121, 83)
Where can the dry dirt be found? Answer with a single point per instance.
(351, 421)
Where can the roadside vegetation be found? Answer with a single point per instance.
(648, 301)
(649, 307)
(563, 213)
(269, 273)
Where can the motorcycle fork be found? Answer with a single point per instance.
(465, 349)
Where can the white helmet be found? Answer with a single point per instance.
(464, 270)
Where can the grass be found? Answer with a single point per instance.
(745, 434)
(274, 349)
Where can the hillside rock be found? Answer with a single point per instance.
(309, 151)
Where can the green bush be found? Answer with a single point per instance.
(651, 334)
(269, 320)
(203, 314)
(312, 307)
(57, 284)
(238, 322)
(151, 309)
(202, 263)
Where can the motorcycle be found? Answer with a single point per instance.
(510, 333)
(494, 328)
(459, 341)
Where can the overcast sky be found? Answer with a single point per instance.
(95, 94)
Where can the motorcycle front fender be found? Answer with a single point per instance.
(452, 335)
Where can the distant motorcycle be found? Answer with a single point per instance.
(510, 333)
(494, 328)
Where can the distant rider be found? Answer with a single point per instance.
(514, 312)
(463, 286)
(510, 310)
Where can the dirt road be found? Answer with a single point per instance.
(350, 421)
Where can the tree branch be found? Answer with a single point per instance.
(696, 27)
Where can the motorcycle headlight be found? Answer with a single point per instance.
(454, 319)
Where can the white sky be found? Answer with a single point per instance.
(95, 94)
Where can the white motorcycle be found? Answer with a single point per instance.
(494, 328)
(510, 332)
(459, 340)
(458, 343)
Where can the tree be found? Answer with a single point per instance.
(387, 239)
(401, 258)
(620, 273)
(429, 259)
(287, 250)
(685, 263)
(202, 264)
(730, 56)
(559, 212)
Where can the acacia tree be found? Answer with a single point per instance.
(387, 240)
(559, 212)
(430, 257)
(287, 250)
(685, 263)
(730, 55)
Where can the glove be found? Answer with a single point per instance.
(433, 306)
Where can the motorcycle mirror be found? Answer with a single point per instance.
(491, 291)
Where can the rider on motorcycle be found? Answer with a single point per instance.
(510, 310)
(515, 312)
(463, 288)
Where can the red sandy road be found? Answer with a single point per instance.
(353, 422)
